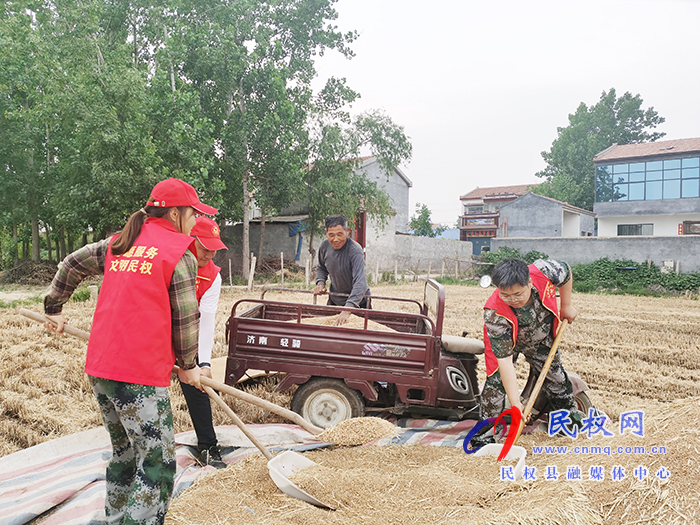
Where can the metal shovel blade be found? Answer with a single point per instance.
(285, 465)
(515, 452)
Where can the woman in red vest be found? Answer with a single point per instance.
(145, 321)
(522, 316)
(207, 242)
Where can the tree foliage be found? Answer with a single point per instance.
(334, 180)
(569, 175)
(422, 224)
(100, 100)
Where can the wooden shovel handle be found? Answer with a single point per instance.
(237, 420)
(262, 403)
(540, 380)
(36, 316)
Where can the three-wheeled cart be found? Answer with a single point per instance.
(407, 366)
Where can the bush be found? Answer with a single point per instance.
(630, 277)
(620, 276)
(80, 295)
(492, 258)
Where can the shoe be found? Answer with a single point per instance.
(211, 456)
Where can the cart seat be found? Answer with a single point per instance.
(462, 345)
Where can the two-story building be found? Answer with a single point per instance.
(648, 189)
(480, 212)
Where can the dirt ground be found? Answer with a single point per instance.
(635, 353)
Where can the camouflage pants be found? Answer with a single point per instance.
(141, 471)
(556, 386)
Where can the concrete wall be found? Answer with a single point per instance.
(532, 216)
(663, 224)
(417, 253)
(535, 216)
(656, 207)
(397, 189)
(587, 224)
(277, 240)
(685, 249)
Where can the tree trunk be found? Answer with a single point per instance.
(25, 250)
(15, 248)
(312, 252)
(36, 248)
(262, 240)
(58, 250)
(84, 239)
(69, 234)
(62, 243)
(48, 240)
(246, 225)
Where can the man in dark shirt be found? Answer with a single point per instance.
(343, 260)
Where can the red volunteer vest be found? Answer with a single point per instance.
(205, 278)
(549, 300)
(131, 336)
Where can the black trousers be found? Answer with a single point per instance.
(365, 303)
(199, 407)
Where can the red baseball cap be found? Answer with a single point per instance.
(176, 192)
(207, 232)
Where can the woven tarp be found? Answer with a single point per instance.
(62, 481)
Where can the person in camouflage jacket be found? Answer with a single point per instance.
(522, 317)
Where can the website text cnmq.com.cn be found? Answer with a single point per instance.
(560, 423)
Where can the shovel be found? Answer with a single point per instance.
(282, 466)
(516, 451)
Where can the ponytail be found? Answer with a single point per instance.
(132, 229)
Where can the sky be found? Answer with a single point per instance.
(481, 87)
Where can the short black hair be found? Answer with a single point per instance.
(336, 220)
(510, 272)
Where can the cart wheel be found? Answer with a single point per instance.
(583, 402)
(325, 402)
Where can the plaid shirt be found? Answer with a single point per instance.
(90, 260)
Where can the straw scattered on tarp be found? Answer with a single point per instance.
(358, 431)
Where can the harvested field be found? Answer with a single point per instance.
(635, 353)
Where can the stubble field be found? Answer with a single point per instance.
(635, 353)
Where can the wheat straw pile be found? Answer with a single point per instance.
(358, 431)
(353, 321)
(429, 485)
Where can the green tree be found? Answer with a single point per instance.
(335, 183)
(252, 62)
(569, 175)
(422, 224)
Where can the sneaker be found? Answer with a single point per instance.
(211, 456)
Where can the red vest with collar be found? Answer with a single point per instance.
(549, 300)
(131, 335)
(205, 278)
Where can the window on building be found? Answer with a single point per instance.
(691, 227)
(654, 180)
(635, 229)
(473, 209)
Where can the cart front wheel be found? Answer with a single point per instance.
(325, 402)
(583, 402)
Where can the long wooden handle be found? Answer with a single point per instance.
(36, 316)
(244, 396)
(540, 380)
(262, 403)
(238, 422)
